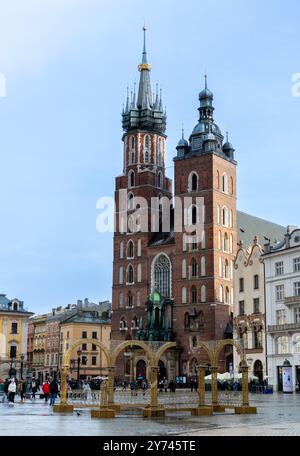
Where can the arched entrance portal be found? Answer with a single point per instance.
(258, 370)
(141, 370)
(162, 373)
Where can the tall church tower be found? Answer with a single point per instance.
(205, 168)
(144, 125)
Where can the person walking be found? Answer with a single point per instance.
(12, 388)
(53, 387)
(46, 390)
(34, 387)
(165, 385)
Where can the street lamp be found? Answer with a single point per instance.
(22, 365)
(78, 366)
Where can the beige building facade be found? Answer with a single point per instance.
(249, 308)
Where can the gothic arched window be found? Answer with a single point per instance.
(146, 149)
(129, 275)
(194, 268)
(162, 276)
(225, 216)
(132, 150)
(226, 249)
(203, 293)
(159, 180)
(130, 202)
(130, 249)
(129, 299)
(194, 295)
(159, 152)
(225, 183)
(121, 299)
(131, 179)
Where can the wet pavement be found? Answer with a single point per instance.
(277, 415)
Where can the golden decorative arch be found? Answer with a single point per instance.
(162, 349)
(77, 343)
(130, 343)
(220, 344)
(207, 349)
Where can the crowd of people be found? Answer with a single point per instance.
(29, 388)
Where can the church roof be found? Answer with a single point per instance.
(249, 226)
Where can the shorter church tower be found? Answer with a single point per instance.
(205, 168)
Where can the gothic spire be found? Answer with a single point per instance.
(145, 92)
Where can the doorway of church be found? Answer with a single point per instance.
(141, 370)
(162, 372)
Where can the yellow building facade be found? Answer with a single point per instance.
(13, 337)
(85, 325)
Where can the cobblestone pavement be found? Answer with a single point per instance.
(277, 415)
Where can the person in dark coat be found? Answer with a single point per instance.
(53, 391)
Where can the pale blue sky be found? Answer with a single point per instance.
(67, 64)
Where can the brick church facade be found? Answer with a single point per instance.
(165, 287)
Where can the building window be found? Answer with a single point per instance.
(146, 149)
(162, 276)
(130, 202)
(225, 216)
(225, 183)
(282, 345)
(121, 299)
(183, 295)
(226, 270)
(159, 180)
(193, 182)
(13, 351)
(14, 328)
(159, 152)
(194, 295)
(297, 289)
(194, 215)
(132, 147)
(194, 244)
(139, 252)
(296, 264)
(130, 250)
(226, 244)
(94, 336)
(183, 269)
(94, 360)
(94, 347)
(242, 307)
(194, 269)
(279, 269)
(84, 361)
(194, 342)
(84, 347)
(120, 275)
(139, 273)
(256, 305)
(129, 275)
(297, 343)
(241, 282)
(122, 324)
(130, 299)
(84, 335)
(131, 179)
(134, 323)
(203, 266)
(279, 291)
(280, 317)
(186, 320)
(138, 299)
(297, 315)
(257, 338)
(203, 293)
(256, 282)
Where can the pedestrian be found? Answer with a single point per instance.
(53, 387)
(166, 385)
(12, 388)
(46, 390)
(5, 390)
(34, 387)
(124, 386)
(144, 387)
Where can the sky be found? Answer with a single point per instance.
(66, 65)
